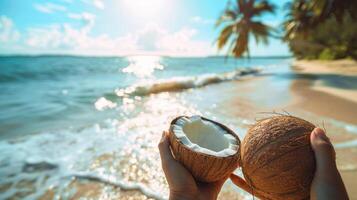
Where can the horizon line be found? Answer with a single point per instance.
(129, 55)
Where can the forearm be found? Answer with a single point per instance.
(184, 196)
(181, 196)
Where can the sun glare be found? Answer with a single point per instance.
(145, 8)
(143, 66)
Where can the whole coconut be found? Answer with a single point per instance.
(277, 159)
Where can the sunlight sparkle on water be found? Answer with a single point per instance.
(143, 66)
(103, 103)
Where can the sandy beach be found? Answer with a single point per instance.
(329, 70)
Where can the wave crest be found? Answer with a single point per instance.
(182, 83)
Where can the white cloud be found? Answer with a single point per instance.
(154, 38)
(8, 33)
(151, 40)
(96, 3)
(200, 20)
(182, 43)
(49, 7)
(87, 19)
(67, 39)
(147, 39)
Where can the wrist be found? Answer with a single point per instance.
(188, 196)
(182, 196)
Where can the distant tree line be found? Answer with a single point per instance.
(313, 29)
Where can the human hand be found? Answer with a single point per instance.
(327, 183)
(181, 183)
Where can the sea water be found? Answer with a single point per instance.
(99, 119)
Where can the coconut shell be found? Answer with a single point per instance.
(277, 159)
(204, 167)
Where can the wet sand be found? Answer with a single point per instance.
(340, 69)
(323, 103)
(343, 67)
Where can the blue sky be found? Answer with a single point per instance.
(121, 27)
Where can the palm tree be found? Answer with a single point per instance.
(305, 15)
(239, 21)
(300, 19)
(336, 8)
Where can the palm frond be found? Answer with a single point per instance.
(228, 16)
(260, 32)
(263, 7)
(224, 36)
(239, 25)
(241, 44)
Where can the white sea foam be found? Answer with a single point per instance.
(103, 103)
(122, 154)
(53, 159)
(143, 66)
(182, 83)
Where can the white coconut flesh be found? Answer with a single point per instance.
(204, 136)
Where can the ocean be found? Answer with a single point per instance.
(70, 121)
(48, 93)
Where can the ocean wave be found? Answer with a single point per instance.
(121, 184)
(55, 159)
(182, 83)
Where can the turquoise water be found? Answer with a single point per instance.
(65, 119)
(41, 94)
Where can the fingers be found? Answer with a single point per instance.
(322, 147)
(238, 181)
(164, 148)
(217, 185)
(241, 183)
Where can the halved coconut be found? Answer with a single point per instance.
(208, 149)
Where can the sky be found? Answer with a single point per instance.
(121, 27)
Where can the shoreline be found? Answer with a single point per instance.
(319, 102)
(328, 71)
(342, 67)
(344, 99)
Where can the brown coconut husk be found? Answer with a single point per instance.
(277, 159)
(204, 167)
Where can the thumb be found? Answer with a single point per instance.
(241, 183)
(323, 149)
(327, 182)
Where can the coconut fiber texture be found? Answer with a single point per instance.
(204, 167)
(277, 159)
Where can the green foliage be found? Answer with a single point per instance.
(327, 54)
(331, 35)
(314, 29)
